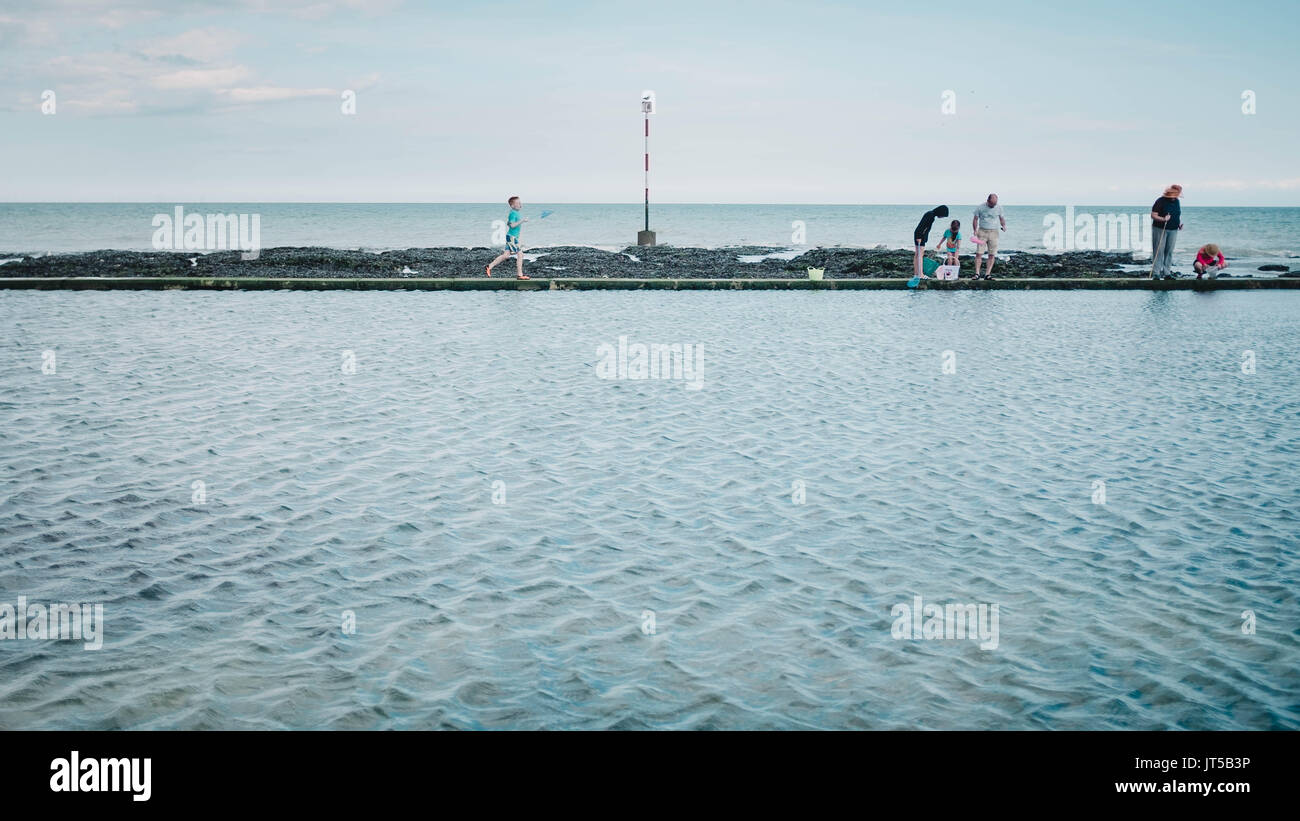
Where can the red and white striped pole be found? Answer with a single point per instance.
(647, 172)
(647, 237)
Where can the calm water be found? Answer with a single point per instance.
(373, 492)
(1249, 236)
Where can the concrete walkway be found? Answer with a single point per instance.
(560, 284)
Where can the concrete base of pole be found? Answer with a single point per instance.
(645, 237)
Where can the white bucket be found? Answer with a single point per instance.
(815, 274)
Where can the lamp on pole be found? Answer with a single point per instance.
(647, 237)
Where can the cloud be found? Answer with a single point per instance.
(105, 66)
(1076, 122)
(201, 78)
(363, 83)
(1284, 184)
(147, 80)
(1220, 185)
(271, 94)
(202, 45)
(41, 23)
(321, 10)
(119, 18)
(117, 101)
(16, 33)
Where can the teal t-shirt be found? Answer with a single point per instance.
(947, 234)
(514, 217)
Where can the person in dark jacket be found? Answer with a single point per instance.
(921, 236)
(1166, 221)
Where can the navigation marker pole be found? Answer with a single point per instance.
(647, 237)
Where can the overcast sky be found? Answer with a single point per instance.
(812, 102)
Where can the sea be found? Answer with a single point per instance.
(1249, 237)
(403, 510)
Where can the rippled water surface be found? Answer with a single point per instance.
(373, 492)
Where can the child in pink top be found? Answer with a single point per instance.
(1209, 259)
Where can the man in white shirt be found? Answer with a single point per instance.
(987, 221)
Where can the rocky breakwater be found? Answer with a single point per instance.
(660, 262)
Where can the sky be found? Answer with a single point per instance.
(1098, 103)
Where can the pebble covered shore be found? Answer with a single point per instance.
(658, 262)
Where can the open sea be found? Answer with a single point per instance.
(1249, 236)
(524, 543)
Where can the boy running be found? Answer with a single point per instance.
(512, 240)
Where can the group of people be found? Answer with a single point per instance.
(1166, 222)
(986, 223)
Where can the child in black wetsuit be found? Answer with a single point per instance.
(921, 236)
